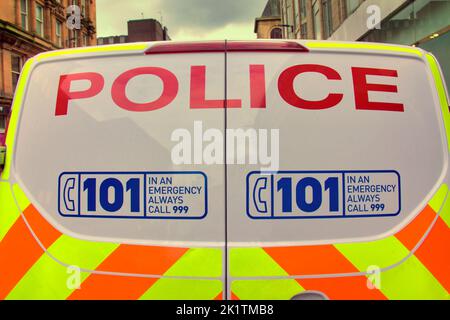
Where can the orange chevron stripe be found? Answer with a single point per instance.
(128, 259)
(219, 296)
(234, 297)
(324, 259)
(414, 231)
(343, 288)
(19, 250)
(434, 252)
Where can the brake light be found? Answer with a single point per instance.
(229, 46)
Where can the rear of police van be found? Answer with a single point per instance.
(227, 170)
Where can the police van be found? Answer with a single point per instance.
(227, 170)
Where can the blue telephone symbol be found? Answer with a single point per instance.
(260, 185)
(69, 188)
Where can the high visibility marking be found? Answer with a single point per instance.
(438, 198)
(364, 46)
(434, 252)
(194, 263)
(415, 230)
(48, 279)
(439, 85)
(19, 250)
(198, 262)
(183, 289)
(128, 259)
(8, 210)
(255, 262)
(343, 288)
(408, 280)
(15, 111)
(283, 289)
(100, 49)
(445, 212)
(234, 297)
(304, 260)
(324, 259)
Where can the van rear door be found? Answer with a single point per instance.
(97, 153)
(350, 145)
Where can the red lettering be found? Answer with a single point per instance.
(362, 89)
(198, 88)
(65, 95)
(287, 92)
(257, 86)
(170, 89)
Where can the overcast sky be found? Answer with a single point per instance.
(185, 19)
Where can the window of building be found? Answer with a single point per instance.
(83, 7)
(75, 38)
(85, 40)
(290, 18)
(327, 17)
(24, 14)
(123, 39)
(302, 10)
(39, 19)
(296, 15)
(16, 66)
(351, 6)
(317, 20)
(276, 33)
(58, 33)
(3, 117)
(303, 31)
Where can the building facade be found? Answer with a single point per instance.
(268, 26)
(139, 30)
(421, 23)
(28, 27)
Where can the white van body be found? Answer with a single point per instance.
(131, 144)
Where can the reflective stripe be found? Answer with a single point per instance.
(439, 84)
(15, 111)
(198, 262)
(195, 262)
(303, 260)
(438, 198)
(184, 289)
(368, 46)
(324, 259)
(434, 253)
(344, 288)
(8, 210)
(409, 280)
(19, 250)
(416, 229)
(255, 262)
(128, 259)
(48, 279)
(265, 289)
(445, 212)
(113, 48)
